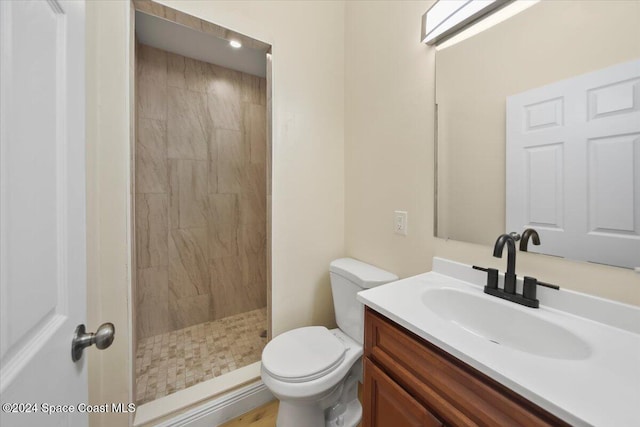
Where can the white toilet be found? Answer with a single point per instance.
(313, 371)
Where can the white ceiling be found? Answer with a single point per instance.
(167, 35)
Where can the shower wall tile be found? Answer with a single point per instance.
(224, 83)
(187, 73)
(188, 193)
(255, 131)
(188, 124)
(263, 92)
(152, 302)
(214, 30)
(253, 200)
(228, 294)
(176, 71)
(268, 149)
(151, 230)
(201, 184)
(254, 239)
(223, 209)
(213, 177)
(213, 163)
(225, 112)
(223, 240)
(223, 225)
(231, 160)
(188, 266)
(183, 18)
(149, 7)
(151, 83)
(189, 311)
(151, 156)
(250, 88)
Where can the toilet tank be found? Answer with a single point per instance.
(348, 277)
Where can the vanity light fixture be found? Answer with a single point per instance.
(235, 44)
(446, 18)
(487, 22)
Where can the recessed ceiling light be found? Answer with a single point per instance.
(235, 43)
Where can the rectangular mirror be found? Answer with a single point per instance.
(538, 126)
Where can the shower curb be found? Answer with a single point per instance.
(222, 409)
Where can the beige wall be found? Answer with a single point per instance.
(475, 77)
(200, 204)
(389, 134)
(389, 95)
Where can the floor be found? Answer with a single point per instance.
(176, 360)
(266, 415)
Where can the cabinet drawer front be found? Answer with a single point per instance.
(388, 405)
(458, 393)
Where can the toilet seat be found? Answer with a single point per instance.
(303, 354)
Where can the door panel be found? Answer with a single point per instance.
(42, 211)
(544, 194)
(573, 165)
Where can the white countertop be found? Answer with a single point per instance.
(602, 389)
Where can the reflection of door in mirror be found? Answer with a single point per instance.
(573, 153)
(547, 43)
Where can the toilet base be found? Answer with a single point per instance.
(340, 408)
(351, 417)
(290, 415)
(314, 416)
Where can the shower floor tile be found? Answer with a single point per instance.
(176, 360)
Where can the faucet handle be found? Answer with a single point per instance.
(492, 276)
(529, 287)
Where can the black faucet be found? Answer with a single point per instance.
(528, 297)
(510, 275)
(529, 232)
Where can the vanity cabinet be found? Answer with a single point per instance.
(410, 382)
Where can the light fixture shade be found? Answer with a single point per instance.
(445, 18)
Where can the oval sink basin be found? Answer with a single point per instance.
(501, 324)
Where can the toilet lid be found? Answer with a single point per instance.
(303, 354)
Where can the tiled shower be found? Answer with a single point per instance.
(200, 221)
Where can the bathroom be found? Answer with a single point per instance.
(354, 141)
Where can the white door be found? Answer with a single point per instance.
(42, 211)
(573, 166)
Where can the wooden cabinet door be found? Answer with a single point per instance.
(388, 405)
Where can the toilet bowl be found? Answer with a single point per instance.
(314, 371)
